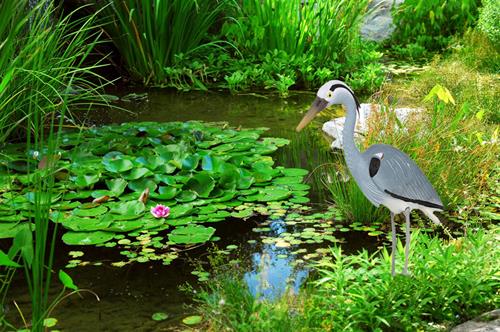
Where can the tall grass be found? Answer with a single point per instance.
(450, 283)
(43, 65)
(328, 29)
(43, 76)
(153, 35)
(455, 144)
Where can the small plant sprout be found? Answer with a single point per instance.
(160, 211)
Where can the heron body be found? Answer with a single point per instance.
(385, 175)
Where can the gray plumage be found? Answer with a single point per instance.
(385, 175)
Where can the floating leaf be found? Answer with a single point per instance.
(202, 184)
(192, 320)
(159, 316)
(87, 238)
(191, 234)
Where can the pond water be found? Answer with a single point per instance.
(130, 295)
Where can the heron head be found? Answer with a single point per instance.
(333, 92)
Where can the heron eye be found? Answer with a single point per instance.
(329, 94)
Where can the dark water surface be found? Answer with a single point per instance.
(130, 295)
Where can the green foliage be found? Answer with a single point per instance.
(488, 20)
(428, 25)
(455, 144)
(154, 35)
(479, 53)
(450, 282)
(42, 64)
(109, 179)
(326, 29)
(301, 48)
(227, 304)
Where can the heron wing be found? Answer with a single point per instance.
(399, 176)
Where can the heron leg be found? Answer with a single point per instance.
(407, 244)
(393, 258)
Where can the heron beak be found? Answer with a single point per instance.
(317, 106)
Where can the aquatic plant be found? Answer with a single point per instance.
(326, 29)
(41, 70)
(201, 172)
(451, 282)
(43, 64)
(150, 36)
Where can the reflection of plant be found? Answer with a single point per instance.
(450, 282)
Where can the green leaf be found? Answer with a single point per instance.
(66, 280)
(191, 234)
(192, 320)
(141, 184)
(137, 173)
(165, 193)
(86, 180)
(49, 322)
(159, 316)
(23, 242)
(117, 186)
(6, 261)
(201, 183)
(87, 238)
(92, 212)
(130, 208)
(190, 162)
(117, 165)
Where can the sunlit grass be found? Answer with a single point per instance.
(455, 144)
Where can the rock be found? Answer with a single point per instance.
(335, 127)
(377, 24)
(488, 322)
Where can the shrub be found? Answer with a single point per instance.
(430, 24)
(488, 20)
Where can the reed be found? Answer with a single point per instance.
(43, 65)
(154, 35)
(43, 78)
(328, 29)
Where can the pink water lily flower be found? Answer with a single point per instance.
(160, 211)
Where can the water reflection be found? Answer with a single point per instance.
(273, 272)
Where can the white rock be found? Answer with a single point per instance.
(335, 127)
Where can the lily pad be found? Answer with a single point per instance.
(87, 238)
(191, 234)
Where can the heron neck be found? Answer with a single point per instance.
(354, 159)
(351, 152)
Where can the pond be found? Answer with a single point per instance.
(129, 295)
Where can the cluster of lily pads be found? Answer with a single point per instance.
(109, 178)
